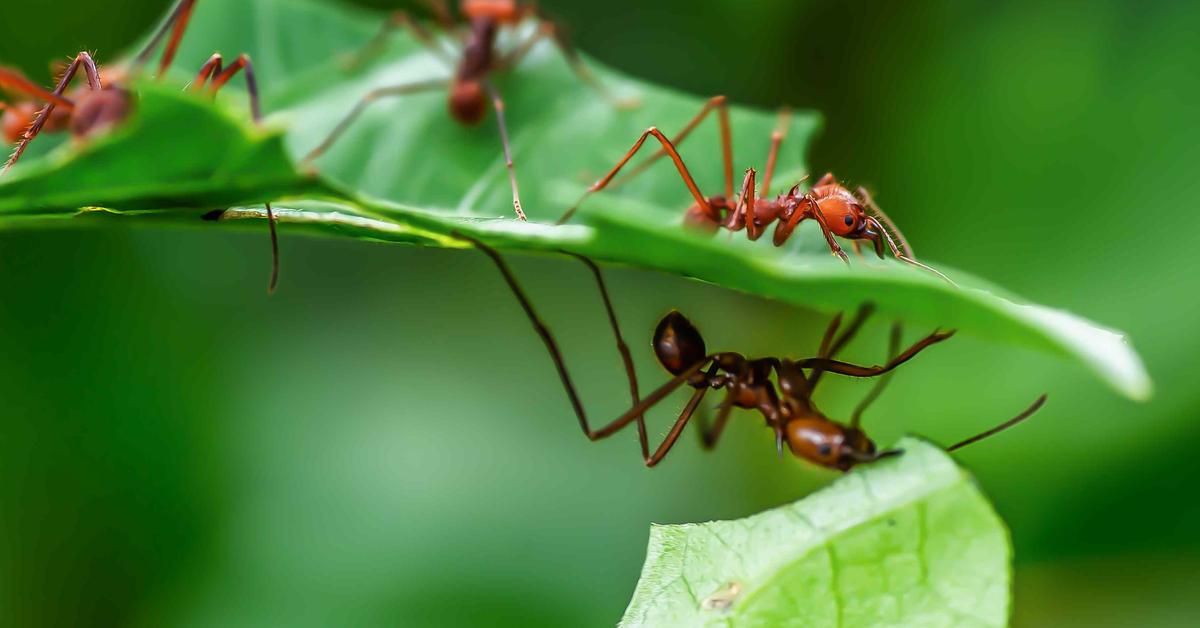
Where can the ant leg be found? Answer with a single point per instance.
(709, 435)
(665, 447)
(622, 348)
(210, 68)
(715, 103)
(814, 211)
(746, 207)
(547, 28)
(15, 80)
(854, 370)
(219, 77)
(679, 165)
(176, 23)
(830, 347)
(1003, 426)
(638, 409)
(378, 43)
(498, 105)
(83, 60)
(777, 137)
(361, 107)
(877, 389)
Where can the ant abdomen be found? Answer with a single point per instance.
(678, 344)
(467, 102)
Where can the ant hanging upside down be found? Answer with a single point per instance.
(838, 211)
(786, 403)
(103, 105)
(470, 86)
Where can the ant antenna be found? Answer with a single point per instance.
(1003, 426)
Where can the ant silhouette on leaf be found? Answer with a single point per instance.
(470, 87)
(779, 389)
(839, 212)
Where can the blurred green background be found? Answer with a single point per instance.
(384, 443)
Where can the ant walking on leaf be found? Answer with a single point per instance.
(838, 211)
(100, 105)
(470, 87)
(779, 389)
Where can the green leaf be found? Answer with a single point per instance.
(906, 541)
(407, 173)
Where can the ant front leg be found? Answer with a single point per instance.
(212, 71)
(690, 182)
(83, 60)
(814, 211)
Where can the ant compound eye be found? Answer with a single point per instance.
(849, 220)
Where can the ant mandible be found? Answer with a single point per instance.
(838, 211)
(469, 87)
(103, 105)
(786, 404)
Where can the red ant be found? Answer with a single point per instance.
(470, 87)
(786, 404)
(87, 113)
(838, 211)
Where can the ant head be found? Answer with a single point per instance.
(100, 111)
(828, 444)
(505, 11)
(844, 215)
(678, 344)
(14, 119)
(467, 102)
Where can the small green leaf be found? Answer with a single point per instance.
(406, 172)
(906, 541)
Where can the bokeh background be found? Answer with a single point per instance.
(383, 442)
